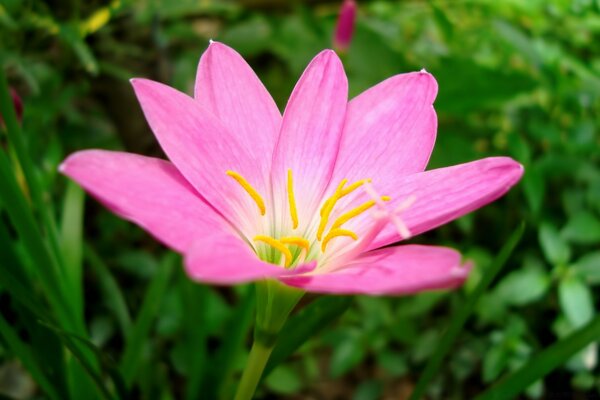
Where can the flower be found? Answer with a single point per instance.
(309, 198)
(345, 26)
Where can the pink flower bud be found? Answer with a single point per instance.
(345, 26)
(17, 104)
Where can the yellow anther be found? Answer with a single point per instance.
(292, 199)
(296, 240)
(353, 187)
(342, 219)
(251, 191)
(337, 233)
(328, 207)
(278, 245)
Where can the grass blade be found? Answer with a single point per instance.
(72, 243)
(237, 330)
(544, 363)
(132, 357)
(195, 299)
(458, 320)
(110, 289)
(302, 326)
(22, 219)
(20, 349)
(16, 142)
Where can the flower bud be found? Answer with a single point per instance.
(345, 26)
(17, 104)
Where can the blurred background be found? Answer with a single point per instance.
(517, 78)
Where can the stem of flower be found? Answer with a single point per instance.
(274, 303)
(259, 355)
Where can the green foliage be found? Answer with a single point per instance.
(92, 307)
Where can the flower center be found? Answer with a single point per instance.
(302, 246)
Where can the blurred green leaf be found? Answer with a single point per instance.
(588, 267)
(22, 351)
(494, 362)
(534, 187)
(460, 317)
(110, 289)
(72, 243)
(576, 301)
(138, 337)
(543, 363)
(346, 355)
(368, 390)
(555, 249)
(306, 323)
(523, 286)
(582, 228)
(283, 380)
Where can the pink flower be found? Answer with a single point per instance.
(250, 194)
(345, 26)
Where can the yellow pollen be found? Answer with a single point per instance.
(342, 219)
(328, 207)
(248, 188)
(337, 233)
(278, 245)
(296, 240)
(292, 199)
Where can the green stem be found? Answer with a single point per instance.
(257, 360)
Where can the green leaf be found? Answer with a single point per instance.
(195, 299)
(576, 301)
(72, 243)
(582, 228)
(71, 36)
(460, 317)
(543, 363)
(495, 361)
(534, 187)
(132, 356)
(110, 290)
(588, 267)
(523, 286)
(346, 355)
(284, 380)
(303, 325)
(21, 350)
(232, 344)
(555, 249)
(368, 390)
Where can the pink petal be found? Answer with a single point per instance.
(225, 259)
(310, 134)
(227, 87)
(443, 194)
(203, 150)
(147, 191)
(389, 131)
(394, 270)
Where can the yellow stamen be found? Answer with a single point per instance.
(353, 187)
(342, 219)
(345, 191)
(278, 245)
(292, 199)
(337, 233)
(296, 240)
(251, 191)
(328, 207)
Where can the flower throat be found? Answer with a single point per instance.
(282, 244)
